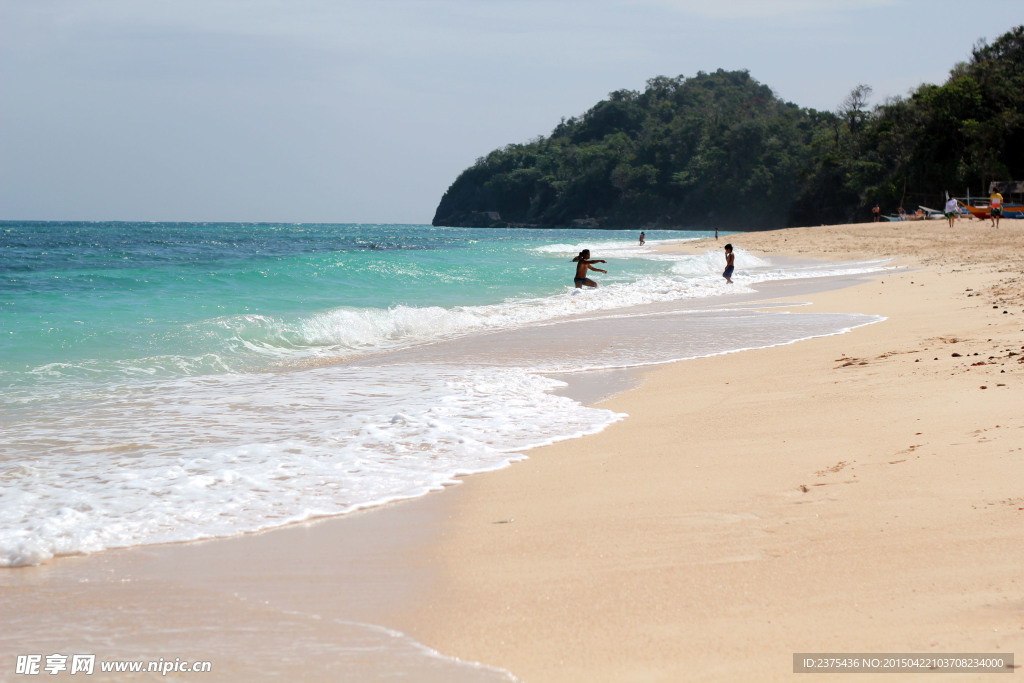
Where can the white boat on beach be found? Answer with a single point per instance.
(923, 213)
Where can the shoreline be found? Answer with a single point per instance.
(852, 493)
(661, 548)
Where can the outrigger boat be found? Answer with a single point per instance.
(1009, 210)
(923, 213)
(932, 214)
(979, 207)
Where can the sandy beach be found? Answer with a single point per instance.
(858, 493)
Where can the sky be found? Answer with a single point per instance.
(365, 111)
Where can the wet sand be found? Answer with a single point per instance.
(850, 494)
(859, 493)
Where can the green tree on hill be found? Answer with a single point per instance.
(721, 150)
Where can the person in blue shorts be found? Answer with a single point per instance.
(583, 263)
(729, 263)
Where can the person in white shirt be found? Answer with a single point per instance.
(952, 209)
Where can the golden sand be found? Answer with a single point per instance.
(860, 493)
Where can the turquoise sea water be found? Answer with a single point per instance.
(99, 295)
(165, 382)
(175, 381)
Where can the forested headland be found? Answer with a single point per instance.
(721, 150)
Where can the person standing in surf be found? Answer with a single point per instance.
(583, 264)
(729, 263)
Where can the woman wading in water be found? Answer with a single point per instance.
(583, 264)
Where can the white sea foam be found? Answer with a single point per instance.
(216, 456)
(243, 343)
(346, 331)
(197, 444)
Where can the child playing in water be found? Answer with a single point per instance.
(583, 263)
(729, 257)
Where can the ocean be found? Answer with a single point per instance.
(164, 382)
(168, 382)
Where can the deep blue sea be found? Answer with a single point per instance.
(166, 382)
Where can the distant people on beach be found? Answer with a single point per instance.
(583, 264)
(995, 206)
(951, 210)
(729, 264)
(876, 212)
(642, 239)
(716, 233)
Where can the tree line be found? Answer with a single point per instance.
(721, 150)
